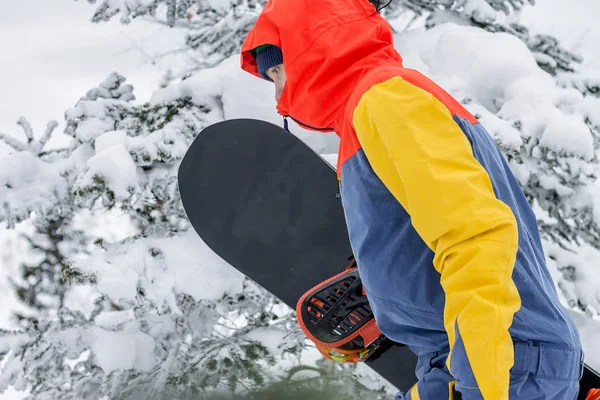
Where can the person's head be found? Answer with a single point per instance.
(327, 49)
(270, 66)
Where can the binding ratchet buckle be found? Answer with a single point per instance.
(335, 315)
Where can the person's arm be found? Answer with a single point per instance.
(426, 161)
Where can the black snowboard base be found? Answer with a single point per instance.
(269, 206)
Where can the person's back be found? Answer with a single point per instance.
(446, 243)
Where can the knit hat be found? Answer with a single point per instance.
(268, 56)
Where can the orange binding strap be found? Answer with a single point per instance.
(593, 394)
(335, 315)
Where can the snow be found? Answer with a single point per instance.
(184, 265)
(553, 183)
(242, 96)
(199, 271)
(108, 139)
(479, 10)
(219, 4)
(591, 108)
(115, 165)
(27, 183)
(270, 337)
(95, 124)
(12, 341)
(502, 130)
(568, 134)
(480, 63)
(595, 195)
(14, 250)
(117, 350)
(9, 369)
(331, 159)
(588, 330)
(575, 25)
(498, 74)
(109, 319)
(584, 280)
(52, 54)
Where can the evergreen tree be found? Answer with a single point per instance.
(216, 28)
(170, 319)
(41, 285)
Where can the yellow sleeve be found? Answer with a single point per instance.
(422, 156)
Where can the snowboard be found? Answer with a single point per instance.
(269, 205)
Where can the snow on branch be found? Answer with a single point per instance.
(178, 315)
(27, 181)
(128, 9)
(111, 88)
(508, 6)
(588, 84)
(30, 145)
(28, 184)
(12, 142)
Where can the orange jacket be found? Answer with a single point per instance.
(324, 57)
(332, 53)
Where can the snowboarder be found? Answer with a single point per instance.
(447, 245)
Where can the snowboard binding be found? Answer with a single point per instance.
(593, 394)
(335, 315)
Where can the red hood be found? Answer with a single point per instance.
(328, 46)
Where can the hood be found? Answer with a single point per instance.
(327, 46)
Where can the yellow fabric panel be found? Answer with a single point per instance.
(427, 163)
(451, 390)
(414, 393)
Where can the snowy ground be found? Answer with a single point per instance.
(51, 54)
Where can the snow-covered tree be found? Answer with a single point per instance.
(169, 318)
(44, 283)
(41, 284)
(215, 29)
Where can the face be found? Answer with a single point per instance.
(277, 74)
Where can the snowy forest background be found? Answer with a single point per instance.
(105, 291)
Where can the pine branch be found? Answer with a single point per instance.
(26, 128)
(31, 145)
(12, 142)
(50, 127)
(171, 12)
(9, 332)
